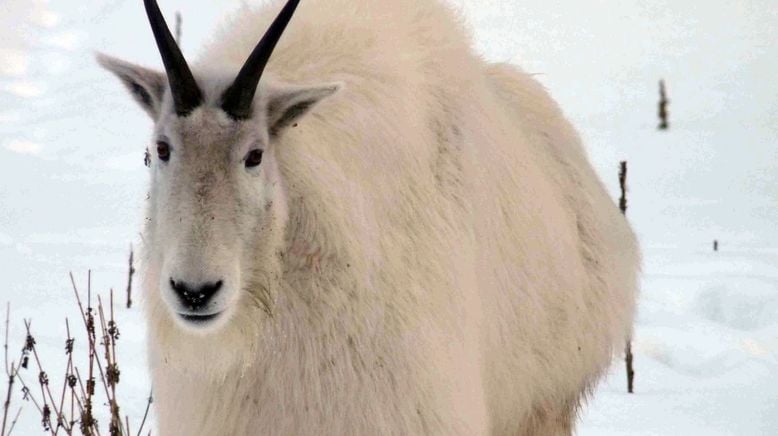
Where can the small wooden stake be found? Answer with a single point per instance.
(623, 207)
(130, 273)
(664, 116)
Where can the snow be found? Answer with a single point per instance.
(72, 183)
(705, 348)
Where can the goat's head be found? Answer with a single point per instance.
(217, 207)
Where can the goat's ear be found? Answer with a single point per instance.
(146, 86)
(286, 104)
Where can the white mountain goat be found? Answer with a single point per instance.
(385, 235)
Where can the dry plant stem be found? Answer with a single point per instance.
(88, 319)
(130, 273)
(12, 372)
(67, 424)
(628, 359)
(13, 423)
(623, 186)
(86, 316)
(7, 404)
(113, 333)
(664, 123)
(82, 391)
(146, 413)
(73, 398)
(8, 372)
(5, 346)
(93, 356)
(70, 374)
(112, 322)
(109, 344)
(61, 418)
(82, 406)
(29, 395)
(630, 370)
(90, 329)
(45, 390)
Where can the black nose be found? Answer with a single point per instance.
(195, 297)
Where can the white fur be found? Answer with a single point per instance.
(428, 252)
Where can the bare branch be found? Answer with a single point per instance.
(664, 116)
(13, 423)
(130, 273)
(5, 346)
(623, 207)
(146, 413)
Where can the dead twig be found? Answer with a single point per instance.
(11, 372)
(664, 116)
(623, 207)
(146, 413)
(130, 273)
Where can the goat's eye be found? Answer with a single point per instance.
(163, 151)
(254, 158)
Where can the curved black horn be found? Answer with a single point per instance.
(186, 94)
(238, 98)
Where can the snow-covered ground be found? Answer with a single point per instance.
(705, 348)
(72, 182)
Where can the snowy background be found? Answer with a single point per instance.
(72, 181)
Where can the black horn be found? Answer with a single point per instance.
(186, 94)
(238, 98)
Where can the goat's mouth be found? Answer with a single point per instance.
(199, 319)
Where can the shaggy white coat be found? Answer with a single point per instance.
(445, 259)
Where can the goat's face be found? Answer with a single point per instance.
(216, 216)
(217, 207)
(217, 211)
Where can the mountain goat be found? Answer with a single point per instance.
(385, 235)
